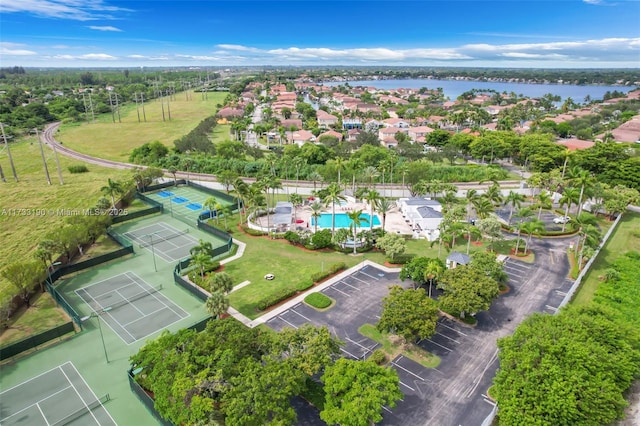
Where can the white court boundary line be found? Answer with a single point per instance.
(70, 386)
(145, 287)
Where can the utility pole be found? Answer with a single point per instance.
(44, 161)
(6, 144)
(168, 106)
(135, 98)
(55, 154)
(113, 117)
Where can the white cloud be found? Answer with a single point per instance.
(104, 28)
(98, 56)
(78, 10)
(14, 49)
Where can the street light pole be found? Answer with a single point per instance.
(97, 315)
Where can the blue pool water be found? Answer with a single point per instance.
(343, 221)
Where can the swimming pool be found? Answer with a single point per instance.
(343, 221)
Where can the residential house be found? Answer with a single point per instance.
(291, 122)
(352, 135)
(300, 137)
(424, 215)
(396, 122)
(365, 108)
(325, 120)
(419, 134)
(333, 133)
(351, 123)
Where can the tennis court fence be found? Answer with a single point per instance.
(35, 341)
(156, 207)
(144, 397)
(191, 288)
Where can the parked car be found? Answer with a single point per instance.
(561, 219)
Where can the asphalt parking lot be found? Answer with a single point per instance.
(546, 216)
(454, 393)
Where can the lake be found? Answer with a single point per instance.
(454, 88)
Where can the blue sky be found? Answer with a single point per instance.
(511, 33)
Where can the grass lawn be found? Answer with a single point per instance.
(220, 133)
(411, 351)
(41, 316)
(103, 245)
(115, 141)
(20, 232)
(625, 238)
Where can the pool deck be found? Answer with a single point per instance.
(394, 220)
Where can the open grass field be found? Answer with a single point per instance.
(22, 230)
(625, 238)
(115, 141)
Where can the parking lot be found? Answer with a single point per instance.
(546, 216)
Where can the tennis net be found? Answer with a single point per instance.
(155, 239)
(99, 308)
(88, 408)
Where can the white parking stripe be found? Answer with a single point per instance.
(442, 346)
(451, 328)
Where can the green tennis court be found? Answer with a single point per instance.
(186, 203)
(57, 397)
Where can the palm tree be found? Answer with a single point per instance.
(483, 207)
(372, 196)
(584, 180)
(494, 195)
(298, 162)
(334, 195)
(211, 204)
(314, 177)
(471, 196)
(515, 201)
(203, 247)
(173, 170)
(523, 213)
(434, 270)
(569, 197)
(201, 260)
(533, 227)
(217, 304)
(112, 189)
(472, 232)
(370, 173)
(356, 221)
(316, 211)
(544, 202)
(383, 206)
(567, 154)
(339, 161)
(225, 211)
(240, 189)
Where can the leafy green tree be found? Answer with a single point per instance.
(557, 369)
(24, 276)
(434, 270)
(356, 391)
(487, 263)
(415, 270)
(308, 349)
(466, 290)
(408, 313)
(393, 245)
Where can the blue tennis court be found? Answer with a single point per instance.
(165, 194)
(179, 200)
(194, 206)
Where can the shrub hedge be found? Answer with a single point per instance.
(318, 300)
(78, 168)
(378, 356)
(332, 269)
(274, 298)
